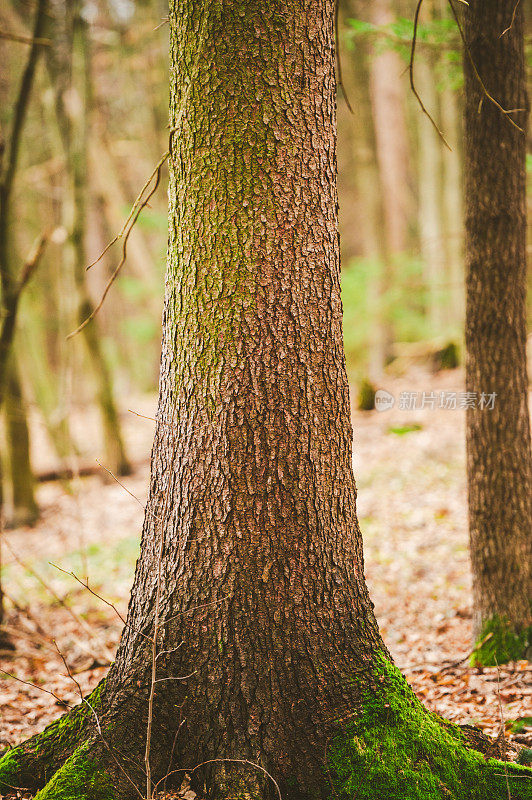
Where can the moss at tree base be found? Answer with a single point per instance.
(29, 763)
(397, 750)
(80, 778)
(499, 643)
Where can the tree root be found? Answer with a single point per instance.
(392, 749)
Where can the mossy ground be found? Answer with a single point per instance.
(396, 750)
(498, 643)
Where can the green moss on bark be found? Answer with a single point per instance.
(42, 754)
(396, 750)
(9, 770)
(80, 778)
(499, 643)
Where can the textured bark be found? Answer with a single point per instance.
(250, 580)
(498, 441)
(251, 471)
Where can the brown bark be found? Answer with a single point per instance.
(498, 441)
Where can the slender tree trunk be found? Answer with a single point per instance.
(249, 617)
(24, 510)
(10, 287)
(498, 441)
(430, 195)
(391, 134)
(69, 67)
(368, 183)
(453, 214)
(393, 156)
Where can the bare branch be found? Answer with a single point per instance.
(411, 74)
(339, 78)
(35, 686)
(15, 37)
(510, 26)
(504, 111)
(124, 233)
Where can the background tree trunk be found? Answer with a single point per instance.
(70, 69)
(498, 441)
(24, 510)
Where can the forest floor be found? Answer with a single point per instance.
(410, 470)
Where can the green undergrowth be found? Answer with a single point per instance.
(499, 643)
(78, 779)
(397, 750)
(43, 751)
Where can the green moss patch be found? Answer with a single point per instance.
(9, 771)
(499, 643)
(24, 765)
(80, 778)
(396, 750)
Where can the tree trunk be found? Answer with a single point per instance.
(368, 182)
(430, 195)
(391, 133)
(498, 441)
(249, 606)
(24, 510)
(393, 156)
(69, 66)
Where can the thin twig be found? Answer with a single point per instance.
(502, 730)
(221, 761)
(81, 622)
(98, 724)
(458, 661)
(510, 26)
(69, 671)
(85, 585)
(35, 686)
(504, 111)
(339, 78)
(124, 233)
(32, 262)
(134, 496)
(15, 37)
(179, 678)
(138, 201)
(138, 414)
(411, 74)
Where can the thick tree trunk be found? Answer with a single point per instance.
(249, 615)
(498, 440)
